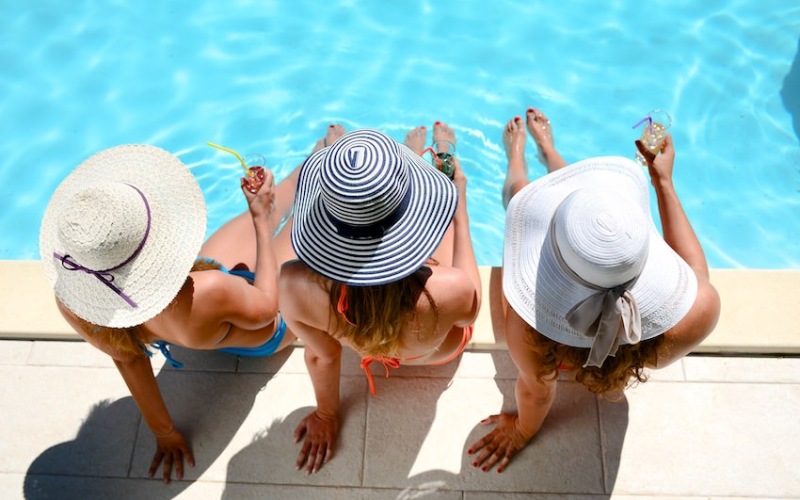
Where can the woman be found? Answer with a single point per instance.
(121, 242)
(383, 239)
(593, 289)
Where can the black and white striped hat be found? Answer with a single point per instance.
(369, 211)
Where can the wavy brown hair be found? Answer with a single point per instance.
(132, 340)
(375, 315)
(622, 370)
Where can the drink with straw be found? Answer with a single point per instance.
(442, 157)
(255, 172)
(654, 133)
(253, 166)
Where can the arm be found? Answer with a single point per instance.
(171, 447)
(534, 400)
(678, 232)
(136, 371)
(230, 299)
(679, 235)
(323, 361)
(463, 253)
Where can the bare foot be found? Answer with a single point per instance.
(517, 174)
(539, 127)
(443, 132)
(415, 139)
(514, 140)
(334, 132)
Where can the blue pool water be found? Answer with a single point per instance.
(269, 76)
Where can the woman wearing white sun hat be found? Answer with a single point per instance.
(592, 288)
(121, 241)
(386, 267)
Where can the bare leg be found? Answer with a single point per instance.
(234, 244)
(444, 253)
(415, 139)
(517, 173)
(541, 131)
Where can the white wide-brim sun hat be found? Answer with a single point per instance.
(121, 233)
(584, 228)
(369, 211)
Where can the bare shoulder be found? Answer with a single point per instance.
(83, 329)
(453, 291)
(698, 323)
(300, 292)
(450, 283)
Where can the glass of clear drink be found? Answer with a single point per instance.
(654, 132)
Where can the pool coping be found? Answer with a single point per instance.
(759, 310)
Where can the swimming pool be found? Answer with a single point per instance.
(269, 77)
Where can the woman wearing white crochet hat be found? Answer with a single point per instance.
(386, 267)
(120, 242)
(593, 290)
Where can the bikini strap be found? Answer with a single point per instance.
(163, 346)
(387, 363)
(342, 307)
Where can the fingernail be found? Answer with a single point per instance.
(469, 452)
(500, 471)
(485, 469)
(474, 464)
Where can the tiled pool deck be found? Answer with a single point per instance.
(709, 426)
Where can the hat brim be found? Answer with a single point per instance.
(398, 252)
(539, 290)
(154, 277)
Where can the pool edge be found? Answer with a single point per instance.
(759, 310)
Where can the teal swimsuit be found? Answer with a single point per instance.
(266, 349)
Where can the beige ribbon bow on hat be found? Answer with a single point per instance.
(616, 315)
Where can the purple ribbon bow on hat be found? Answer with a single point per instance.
(105, 275)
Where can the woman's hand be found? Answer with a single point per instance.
(320, 432)
(171, 450)
(660, 166)
(500, 445)
(262, 202)
(459, 179)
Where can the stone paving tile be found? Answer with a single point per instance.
(705, 439)
(738, 369)
(101, 488)
(194, 360)
(15, 352)
(78, 353)
(429, 447)
(290, 360)
(66, 420)
(235, 491)
(242, 427)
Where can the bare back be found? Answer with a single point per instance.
(426, 336)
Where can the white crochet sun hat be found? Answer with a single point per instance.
(369, 211)
(581, 240)
(121, 233)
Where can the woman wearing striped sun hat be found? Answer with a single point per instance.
(386, 267)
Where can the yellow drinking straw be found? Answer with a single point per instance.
(234, 153)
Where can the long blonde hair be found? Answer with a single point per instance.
(625, 368)
(375, 315)
(132, 340)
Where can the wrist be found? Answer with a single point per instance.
(169, 432)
